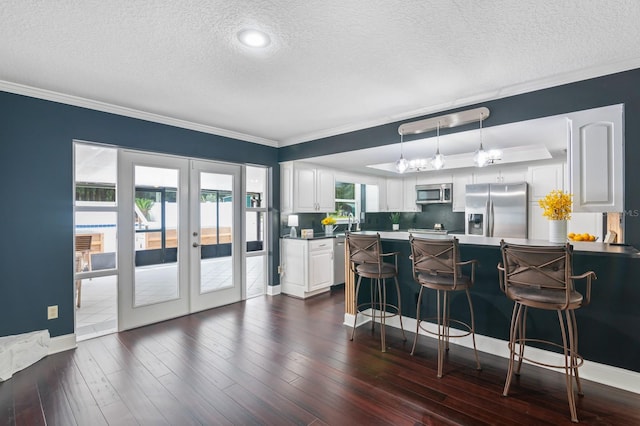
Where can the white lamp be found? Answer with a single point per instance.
(292, 221)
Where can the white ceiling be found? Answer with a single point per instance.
(333, 65)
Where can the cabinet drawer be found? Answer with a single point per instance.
(321, 244)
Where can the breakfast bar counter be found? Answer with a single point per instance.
(608, 326)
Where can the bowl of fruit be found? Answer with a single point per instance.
(581, 237)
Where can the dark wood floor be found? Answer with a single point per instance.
(279, 360)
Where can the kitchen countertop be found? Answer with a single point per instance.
(578, 246)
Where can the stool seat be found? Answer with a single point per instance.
(369, 270)
(443, 282)
(541, 277)
(545, 298)
(366, 261)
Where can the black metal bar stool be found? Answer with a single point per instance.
(366, 261)
(541, 277)
(437, 266)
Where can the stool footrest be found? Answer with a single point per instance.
(362, 307)
(546, 342)
(434, 320)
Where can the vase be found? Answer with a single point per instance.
(328, 230)
(557, 231)
(395, 226)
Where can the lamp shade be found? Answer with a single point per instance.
(292, 220)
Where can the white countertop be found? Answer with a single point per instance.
(578, 246)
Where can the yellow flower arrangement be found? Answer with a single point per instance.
(556, 205)
(329, 220)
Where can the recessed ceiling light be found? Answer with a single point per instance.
(253, 38)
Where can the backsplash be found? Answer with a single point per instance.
(431, 214)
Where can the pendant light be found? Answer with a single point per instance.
(402, 164)
(481, 157)
(437, 162)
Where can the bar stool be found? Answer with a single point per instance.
(437, 266)
(542, 277)
(366, 261)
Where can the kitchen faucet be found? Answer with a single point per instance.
(350, 219)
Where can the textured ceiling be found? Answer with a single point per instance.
(333, 66)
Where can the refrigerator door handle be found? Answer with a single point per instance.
(486, 231)
(491, 219)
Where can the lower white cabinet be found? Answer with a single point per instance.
(306, 266)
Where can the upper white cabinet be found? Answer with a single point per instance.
(409, 194)
(307, 188)
(394, 195)
(596, 167)
(460, 182)
(544, 179)
(493, 174)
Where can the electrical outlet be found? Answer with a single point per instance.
(52, 312)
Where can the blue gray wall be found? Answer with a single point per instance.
(36, 262)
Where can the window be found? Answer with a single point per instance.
(347, 201)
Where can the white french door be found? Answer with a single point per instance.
(215, 235)
(178, 249)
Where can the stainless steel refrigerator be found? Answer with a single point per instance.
(496, 209)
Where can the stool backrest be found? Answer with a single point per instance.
(435, 257)
(364, 249)
(538, 270)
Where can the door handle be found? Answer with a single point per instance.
(196, 245)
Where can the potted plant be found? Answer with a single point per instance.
(329, 224)
(395, 221)
(556, 206)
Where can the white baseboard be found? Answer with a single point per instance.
(600, 373)
(273, 290)
(62, 343)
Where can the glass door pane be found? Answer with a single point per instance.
(156, 229)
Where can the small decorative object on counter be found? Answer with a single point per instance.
(556, 207)
(329, 224)
(395, 221)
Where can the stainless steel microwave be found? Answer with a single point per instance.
(434, 194)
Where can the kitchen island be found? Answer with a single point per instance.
(609, 340)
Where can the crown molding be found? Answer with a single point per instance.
(513, 90)
(62, 98)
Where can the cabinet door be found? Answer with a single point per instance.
(325, 191)
(538, 224)
(459, 190)
(596, 160)
(304, 185)
(372, 199)
(544, 179)
(409, 189)
(394, 195)
(321, 268)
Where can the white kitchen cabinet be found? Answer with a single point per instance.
(372, 198)
(460, 182)
(544, 179)
(306, 188)
(306, 266)
(538, 224)
(409, 194)
(499, 174)
(394, 195)
(596, 168)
